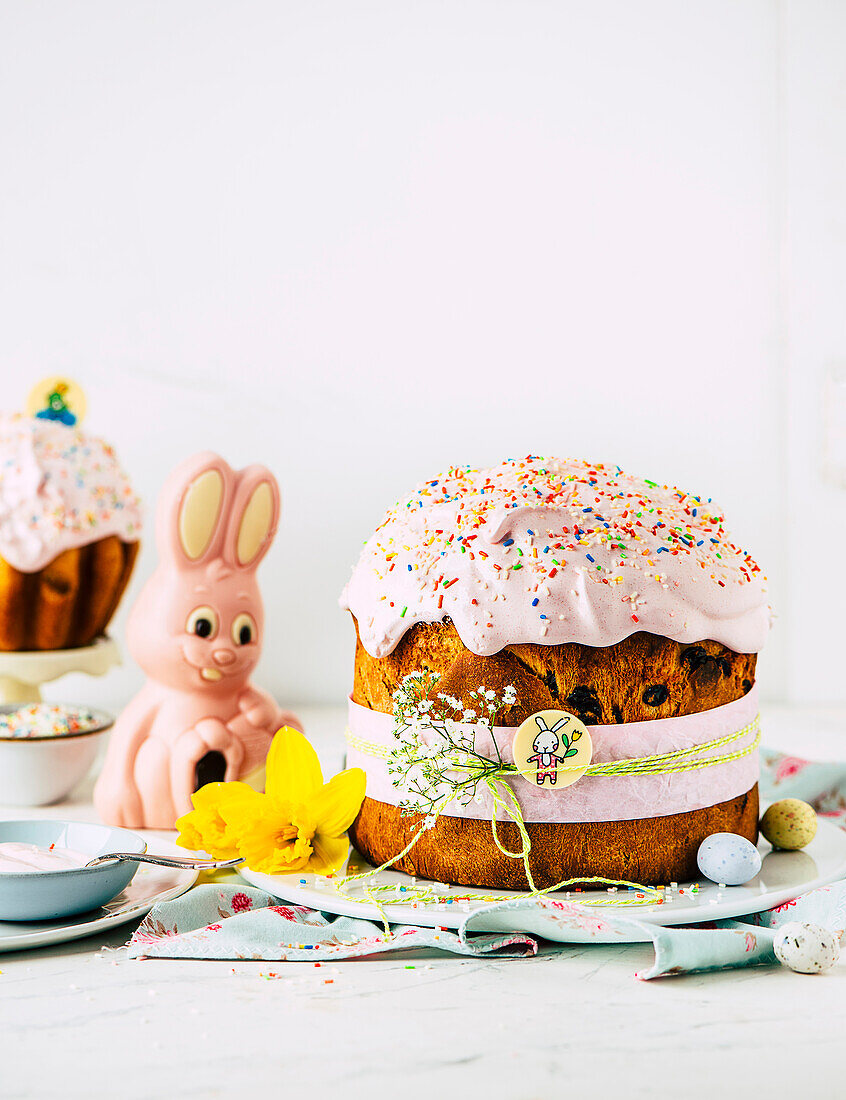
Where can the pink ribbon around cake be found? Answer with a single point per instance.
(370, 738)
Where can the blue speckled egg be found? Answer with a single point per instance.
(728, 858)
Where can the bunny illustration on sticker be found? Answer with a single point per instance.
(552, 749)
(196, 631)
(545, 744)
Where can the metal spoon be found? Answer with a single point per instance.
(195, 862)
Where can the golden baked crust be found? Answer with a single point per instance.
(640, 678)
(654, 851)
(70, 601)
(643, 677)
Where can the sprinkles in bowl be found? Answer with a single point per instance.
(41, 720)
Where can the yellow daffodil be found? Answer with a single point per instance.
(299, 824)
(204, 828)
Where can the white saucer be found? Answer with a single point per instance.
(784, 876)
(150, 886)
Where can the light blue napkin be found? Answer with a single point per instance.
(239, 922)
(232, 922)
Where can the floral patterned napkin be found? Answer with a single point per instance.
(239, 922)
(232, 922)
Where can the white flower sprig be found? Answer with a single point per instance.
(434, 761)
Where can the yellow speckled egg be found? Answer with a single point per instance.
(789, 824)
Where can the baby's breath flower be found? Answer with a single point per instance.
(434, 760)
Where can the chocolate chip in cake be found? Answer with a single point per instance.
(583, 702)
(551, 683)
(655, 695)
(694, 657)
(707, 668)
(747, 686)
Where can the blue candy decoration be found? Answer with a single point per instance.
(728, 858)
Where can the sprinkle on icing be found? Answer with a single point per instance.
(59, 488)
(556, 550)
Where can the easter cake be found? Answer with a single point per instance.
(69, 527)
(558, 585)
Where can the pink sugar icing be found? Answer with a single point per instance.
(16, 858)
(552, 550)
(59, 488)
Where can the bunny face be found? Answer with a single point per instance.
(198, 623)
(546, 741)
(202, 631)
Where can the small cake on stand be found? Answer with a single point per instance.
(69, 526)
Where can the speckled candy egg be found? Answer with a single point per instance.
(789, 824)
(728, 858)
(806, 948)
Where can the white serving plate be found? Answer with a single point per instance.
(783, 876)
(149, 886)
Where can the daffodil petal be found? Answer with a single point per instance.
(242, 814)
(329, 854)
(238, 794)
(336, 805)
(204, 831)
(189, 834)
(263, 849)
(209, 796)
(293, 770)
(206, 797)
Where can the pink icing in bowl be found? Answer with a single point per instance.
(37, 895)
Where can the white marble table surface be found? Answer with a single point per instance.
(77, 1021)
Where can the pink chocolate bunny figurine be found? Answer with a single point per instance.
(196, 631)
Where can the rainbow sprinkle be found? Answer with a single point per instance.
(577, 551)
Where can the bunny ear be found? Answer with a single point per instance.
(252, 519)
(189, 517)
(540, 723)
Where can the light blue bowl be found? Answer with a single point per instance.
(46, 895)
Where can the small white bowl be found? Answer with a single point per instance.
(35, 771)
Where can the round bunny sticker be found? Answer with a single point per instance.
(57, 398)
(552, 749)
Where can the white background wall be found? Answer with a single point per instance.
(359, 242)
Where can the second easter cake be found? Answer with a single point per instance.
(69, 530)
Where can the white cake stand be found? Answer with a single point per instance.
(23, 673)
